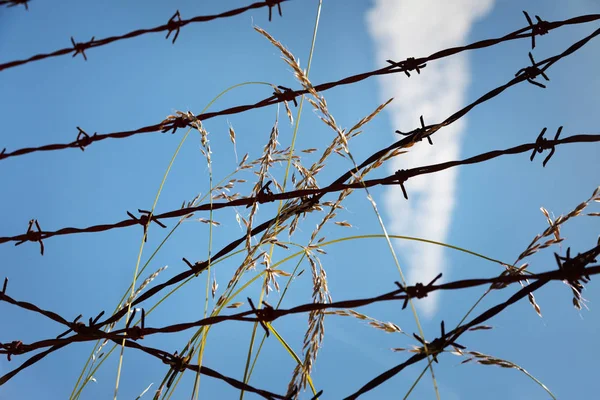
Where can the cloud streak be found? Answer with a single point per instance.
(402, 29)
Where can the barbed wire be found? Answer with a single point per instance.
(84, 139)
(528, 74)
(400, 177)
(13, 3)
(308, 203)
(574, 271)
(174, 25)
(525, 74)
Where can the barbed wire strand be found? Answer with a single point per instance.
(577, 267)
(406, 66)
(305, 205)
(400, 177)
(525, 74)
(174, 24)
(578, 271)
(571, 270)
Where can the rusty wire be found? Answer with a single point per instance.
(173, 25)
(14, 3)
(528, 74)
(410, 64)
(569, 269)
(398, 178)
(575, 271)
(308, 202)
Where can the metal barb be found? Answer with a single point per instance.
(263, 315)
(136, 332)
(265, 194)
(13, 348)
(97, 318)
(173, 123)
(174, 25)
(575, 272)
(539, 28)
(178, 363)
(197, 267)
(131, 318)
(532, 72)
(401, 176)
(145, 220)
(80, 48)
(419, 133)
(82, 329)
(417, 291)
(410, 64)
(33, 236)
(13, 3)
(83, 139)
(286, 94)
(438, 345)
(271, 4)
(542, 144)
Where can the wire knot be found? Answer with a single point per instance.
(574, 270)
(33, 236)
(265, 194)
(540, 28)
(91, 330)
(83, 139)
(197, 267)
(174, 25)
(145, 220)
(285, 94)
(264, 315)
(13, 348)
(417, 291)
(438, 345)
(410, 64)
(419, 133)
(13, 3)
(401, 176)
(271, 4)
(532, 72)
(136, 332)
(80, 48)
(178, 362)
(82, 329)
(174, 122)
(542, 144)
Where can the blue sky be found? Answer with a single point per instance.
(492, 208)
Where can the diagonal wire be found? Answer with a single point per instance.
(173, 124)
(174, 25)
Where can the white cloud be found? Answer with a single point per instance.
(417, 28)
